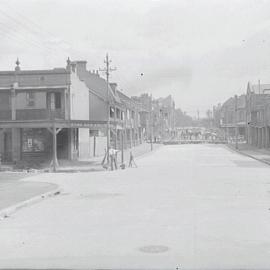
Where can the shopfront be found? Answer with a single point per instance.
(35, 143)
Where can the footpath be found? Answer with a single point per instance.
(262, 155)
(94, 164)
(16, 192)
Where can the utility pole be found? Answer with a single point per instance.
(236, 124)
(247, 118)
(107, 71)
(151, 122)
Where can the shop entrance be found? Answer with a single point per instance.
(62, 144)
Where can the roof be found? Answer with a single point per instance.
(167, 101)
(229, 104)
(98, 85)
(258, 101)
(259, 88)
(125, 99)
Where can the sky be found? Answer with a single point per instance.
(199, 51)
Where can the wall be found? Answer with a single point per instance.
(101, 144)
(79, 99)
(98, 108)
(84, 143)
(39, 101)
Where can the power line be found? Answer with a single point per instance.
(32, 24)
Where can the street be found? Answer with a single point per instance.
(186, 206)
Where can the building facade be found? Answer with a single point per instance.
(43, 115)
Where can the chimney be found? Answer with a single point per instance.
(68, 67)
(79, 66)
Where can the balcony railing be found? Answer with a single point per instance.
(5, 114)
(36, 114)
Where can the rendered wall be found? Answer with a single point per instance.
(79, 99)
(98, 108)
(84, 143)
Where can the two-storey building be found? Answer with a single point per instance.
(258, 111)
(44, 114)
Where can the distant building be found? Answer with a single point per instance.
(229, 115)
(164, 118)
(258, 111)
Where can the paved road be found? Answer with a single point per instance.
(13, 190)
(192, 206)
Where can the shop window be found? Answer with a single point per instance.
(33, 140)
(93, 133)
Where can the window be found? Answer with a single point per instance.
(30, 99)
(111, 112)
(117, 113)
(57, 100)
(4, 101)
(75, 139)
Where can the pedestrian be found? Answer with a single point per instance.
(132, 161)
(113, 159)
(105, 157)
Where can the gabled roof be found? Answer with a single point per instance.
(125, 99)
(258, 101)
(167, 101)
(259, 88)
(98, 85)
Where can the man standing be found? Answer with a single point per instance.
(131, 161)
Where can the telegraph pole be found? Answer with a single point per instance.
(107, 71)
(151, 122)
(236, 124)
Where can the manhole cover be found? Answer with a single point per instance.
(154, 249)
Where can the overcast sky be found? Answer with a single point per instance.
(201, 52)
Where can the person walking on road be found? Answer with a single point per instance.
(132, 161)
